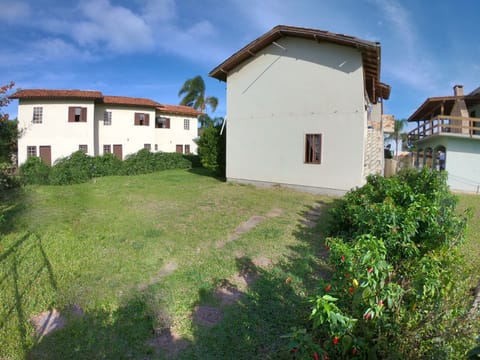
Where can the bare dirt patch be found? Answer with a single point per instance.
(207, 315)
(166, 270)
(169, 343)
(262, 261)
(48, 321)
(312, 217)
(275, 213)
(228, 293)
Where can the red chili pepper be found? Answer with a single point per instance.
(315, 356)
(354, 351)
(325, 356)
(342, 258)
(370, 270)
(336, 340)
(328, 287)
(351, 290)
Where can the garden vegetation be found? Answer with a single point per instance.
(393, 292)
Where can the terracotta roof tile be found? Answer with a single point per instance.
(124, 100)
(109, 100)
(178, 109)
(56, 94)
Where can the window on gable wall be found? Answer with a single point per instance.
(147, 147)
(37, 115)
(313, 148)
(107, 118)
(83, 148)
(77, 114)
(107, 149)
(186, 124)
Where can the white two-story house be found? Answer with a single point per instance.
(304, 110)
(56, 123)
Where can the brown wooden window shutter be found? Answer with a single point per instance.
(83, 114)
(137, 119)
(71, 114)
(167, 123)
(147, 120)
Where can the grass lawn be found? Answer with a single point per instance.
(139, 255)
(143, 256)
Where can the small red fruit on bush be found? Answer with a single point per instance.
(354, 351)
(328, 287)
(315, 356)
(342, 258)
(336, 340)
(370, 270)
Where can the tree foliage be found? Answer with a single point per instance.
(8, 128)
(193, 91)
(211, 148)
(397, 136)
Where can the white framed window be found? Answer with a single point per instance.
(83, 148)
(107, 118)
(107, 149)
(186, 124)
(37, 115)
(31, 151)
(147, 146)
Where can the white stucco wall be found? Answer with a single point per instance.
(462, 160)
(123, 130)
(64, 137)
(167, 139)
(279, 96)
(463, 164)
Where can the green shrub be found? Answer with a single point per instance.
(106, 165)
(393, 291)
(79, 167)
(74, 169)
(211, 148)
(7, 180)
(34, 171)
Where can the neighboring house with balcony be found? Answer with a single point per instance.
(301, 104)
(447, 137)
(56, 123)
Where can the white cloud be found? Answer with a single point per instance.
(14, 12)
(48, 50)
(116, 27)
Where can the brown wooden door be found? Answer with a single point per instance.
(179, 149)
(117, 151)
(46, 154)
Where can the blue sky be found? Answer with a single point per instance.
(148, 48)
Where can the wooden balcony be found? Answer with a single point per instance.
(446, 125)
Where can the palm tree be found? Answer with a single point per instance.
(194, 95)
(397, 134)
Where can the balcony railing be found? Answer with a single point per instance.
(446, 124)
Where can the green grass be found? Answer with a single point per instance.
(102, 244)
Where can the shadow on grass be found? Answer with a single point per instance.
(274, 301)
(251, 324)
(16, 287)
(201, 171)
(104, 333)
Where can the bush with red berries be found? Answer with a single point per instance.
(393, 291)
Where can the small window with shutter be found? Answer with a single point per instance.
(77, 114)
(162, 123)
(142, 119)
